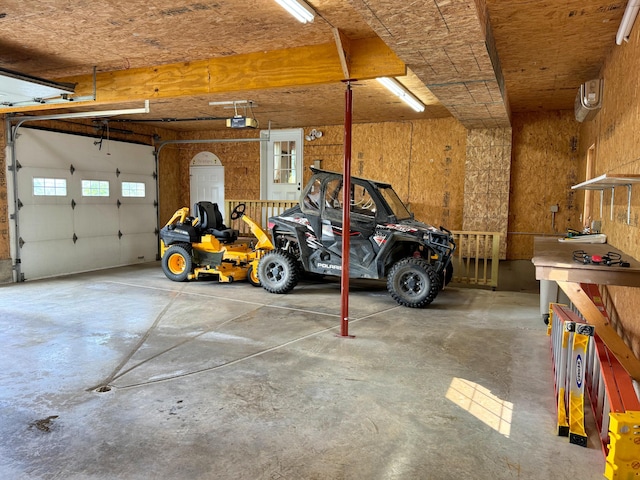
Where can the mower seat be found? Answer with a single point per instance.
(210, 221)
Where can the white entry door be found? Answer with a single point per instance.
(281, 164)
(207, 184)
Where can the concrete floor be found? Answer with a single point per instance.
(215, 381)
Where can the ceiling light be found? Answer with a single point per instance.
(299, 9)
(405, 95)
(629, 17)
(313, 134)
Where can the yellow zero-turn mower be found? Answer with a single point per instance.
(201, 244)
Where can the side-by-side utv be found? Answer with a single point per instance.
(201, 244)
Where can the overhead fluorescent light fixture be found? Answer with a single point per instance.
(628, 19)
(405, 95)
(299, 9)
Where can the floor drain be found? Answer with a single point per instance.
(103, 389)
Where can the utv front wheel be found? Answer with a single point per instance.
(176, 263)
(412, 282)
(278, 272)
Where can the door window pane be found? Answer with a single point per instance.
(95, 188)
(284, 162)
(133, 189)
(50, 187)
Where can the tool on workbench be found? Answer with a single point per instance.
(609, 259)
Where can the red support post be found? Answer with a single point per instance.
(346, 214)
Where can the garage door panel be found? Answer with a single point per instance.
(39, 148)
(136, 218)
(96, 220)
(25, 186)
(46, 222)
(97, 252)
(49, 223)
(140, 247)
(49, 258)
(140, 161)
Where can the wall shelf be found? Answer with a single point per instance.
(611, 181)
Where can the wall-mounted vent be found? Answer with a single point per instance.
(589, 99)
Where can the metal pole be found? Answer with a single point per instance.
(346, 214)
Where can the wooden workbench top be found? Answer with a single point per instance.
(554, 261)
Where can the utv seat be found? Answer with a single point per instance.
(210, 222)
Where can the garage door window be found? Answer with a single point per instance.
(95, 188)
(50, 187)
(133, 189)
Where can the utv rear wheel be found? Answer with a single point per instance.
(177, 263)
(412, 282)
(278, 272)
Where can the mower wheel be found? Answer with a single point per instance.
(177, 263)
(278, 271)
(412, 282)
(252, 276)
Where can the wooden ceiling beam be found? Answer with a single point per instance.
(292, 67)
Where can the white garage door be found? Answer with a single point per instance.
(82, 207)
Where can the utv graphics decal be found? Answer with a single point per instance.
(312, 241)
(379, 239)
(399, 228)
(338, 231)
(299, 220)
(329, 266)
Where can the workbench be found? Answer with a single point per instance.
(553, 260)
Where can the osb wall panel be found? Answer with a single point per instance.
(544, 167)
(173, 175)
(438, 153)
(487, 174)
(423, 160)
(614, 133)
(617, 150)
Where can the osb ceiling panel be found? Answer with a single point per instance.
(53, 38)
(444, 42)
(548, 48)
(477, 60)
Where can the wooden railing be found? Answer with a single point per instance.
(477, 258)
(475, 261)
(258, 210)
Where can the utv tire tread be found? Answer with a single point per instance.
(278, 271)
(412, 282)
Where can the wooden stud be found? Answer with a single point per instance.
(344, 51)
